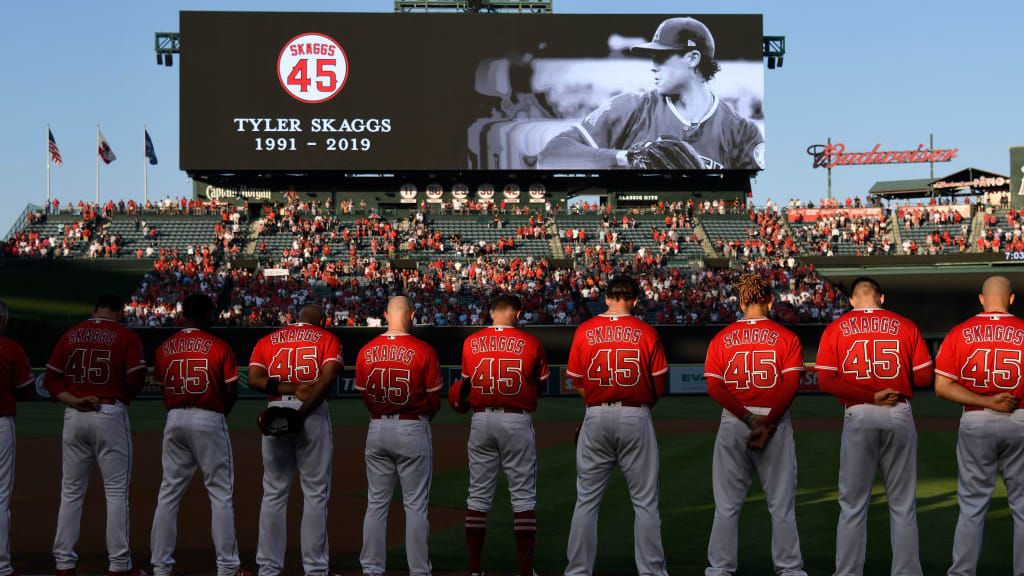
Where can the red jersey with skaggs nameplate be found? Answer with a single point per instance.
(505, 366)
(196, 370)
(872, 349)
(984, 354)
(296, 353)
(94, 358)
(398, 374)
(751, 357)
(14, 373)
(614, 358)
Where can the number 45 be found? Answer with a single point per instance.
(619, 369)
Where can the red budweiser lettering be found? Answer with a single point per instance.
(832, 155)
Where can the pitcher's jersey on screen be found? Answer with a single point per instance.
(196, 369)
(94, 358)
(724, 139)
(614, 359)
(984, 354)
(751, 357)
(398, 373)
(296, 353)
(506, 368)
(873, 349)
(14, 373)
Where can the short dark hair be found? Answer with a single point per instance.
(110, 302)
(707, 67)
(507, 300)
(866, 280)
(622, 288)
(197, 307)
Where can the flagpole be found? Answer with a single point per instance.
(145, 169)
(97, 164)
(47, 210)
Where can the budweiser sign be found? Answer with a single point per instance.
(832, 155)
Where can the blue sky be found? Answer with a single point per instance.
(861, 72)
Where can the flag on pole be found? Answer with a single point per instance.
(150, 151)
(54, 151)
(105, 151)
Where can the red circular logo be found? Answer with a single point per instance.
(312, 67)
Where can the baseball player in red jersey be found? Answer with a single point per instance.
(296, 366)
(681, 106)
(980, 366)
(753, 370)
(96, 368)
(504, 369)
(618, 365)
(871, 360)
(198, 373)
(15, 378)
(400, 379)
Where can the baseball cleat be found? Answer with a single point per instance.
(66, 572)
(132, 572)
(242, 572)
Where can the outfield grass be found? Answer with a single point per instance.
(686, 497)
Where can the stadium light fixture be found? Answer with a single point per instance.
(773, 48)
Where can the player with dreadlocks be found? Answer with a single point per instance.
(753, 369)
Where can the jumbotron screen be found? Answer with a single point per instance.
(491, 92)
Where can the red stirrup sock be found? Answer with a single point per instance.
(476, 529)
(525, 526)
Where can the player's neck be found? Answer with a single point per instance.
(693, 101)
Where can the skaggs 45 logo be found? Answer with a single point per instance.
(312, 67)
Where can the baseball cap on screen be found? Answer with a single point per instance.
(679, 34)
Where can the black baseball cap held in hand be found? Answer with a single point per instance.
(679, 35)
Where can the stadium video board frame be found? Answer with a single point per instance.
(501, 93)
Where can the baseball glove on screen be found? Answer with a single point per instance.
(663, 154)
(279, 421)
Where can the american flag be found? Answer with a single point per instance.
(54, 151)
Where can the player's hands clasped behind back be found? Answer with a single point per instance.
(887, 397)
(82, 404)
(760, 434)
(1003, 402)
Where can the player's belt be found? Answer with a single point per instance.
(619, 404)
(902, 400)
(979, 408)
(399, 416)
(108, 401)
(498, 409)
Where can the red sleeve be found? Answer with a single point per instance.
(947, 360)
(54, 379)
(259, 356)
(159, 365)
(830, 381)
(229, 370)
(718, 391)
(792, 356)
(543, 372)
(826, 356)
(467, 359)
(432, 374)
(360, 381)
(784, 396)
(134, 365)
(576, 367)
(332, 351)
(22, 372)
(924, 369)
(713, 367)
(658, 364)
